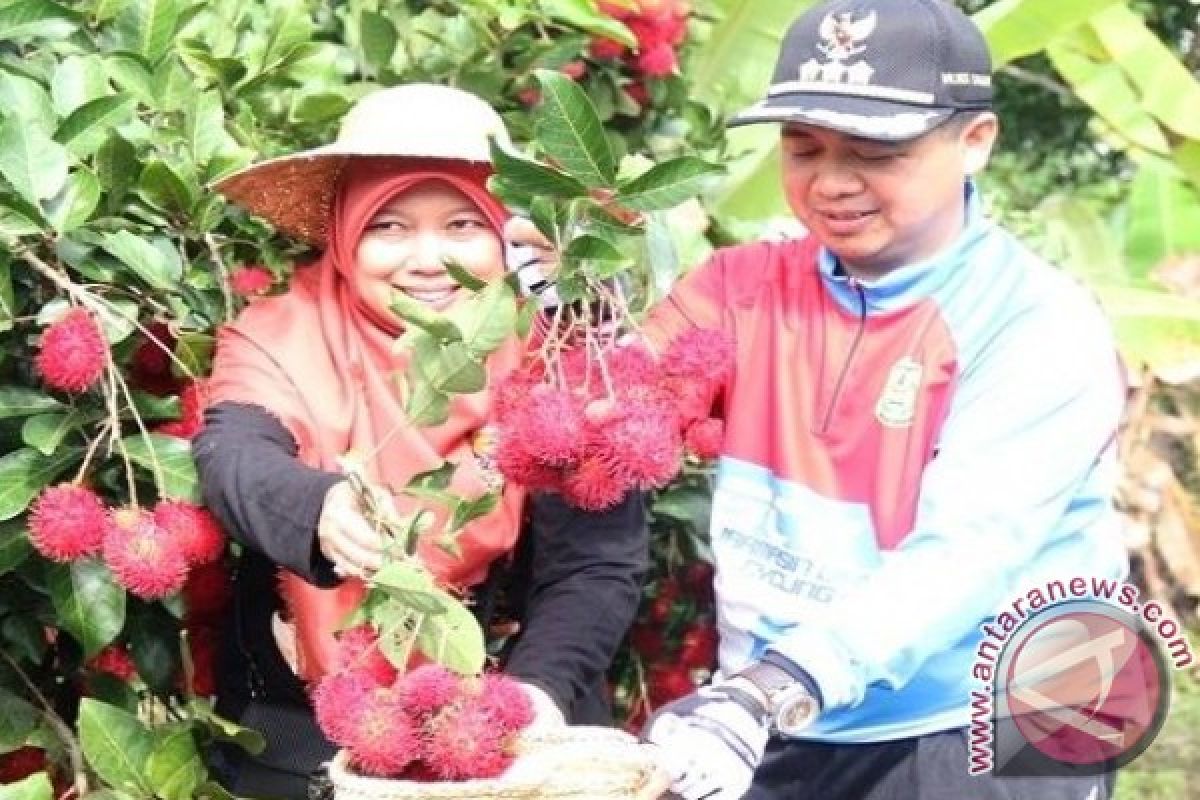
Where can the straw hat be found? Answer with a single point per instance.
(417, 120)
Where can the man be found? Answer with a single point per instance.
(921, 425)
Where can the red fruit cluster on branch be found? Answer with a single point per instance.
(149, 553)
(595, 427)
(72, 353)
(660, 27)
(428, 724)
(251, 281)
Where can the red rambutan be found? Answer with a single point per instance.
(518, 463)
(207, 592)
(337, 701)
(549, 424)
(250, 281)
(143, 557)
(594, 485)
(427, 689)
(703, 355)
(511, 393)
(605, 49)
(658, 61)
(202, 644)
(641, 443)
(358, 651)
(116, 661)
(67, 522)
(381, 737)
(195, 530)
(505, 700)
(704, 438)
(632, 365)
(72, 352)
(464, 742)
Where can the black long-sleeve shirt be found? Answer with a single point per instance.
(574, 580)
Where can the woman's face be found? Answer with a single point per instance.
(406, 245)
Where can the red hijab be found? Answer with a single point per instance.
(323, 364)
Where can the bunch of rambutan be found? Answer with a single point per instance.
(149, 552)
(427, 724)
(660, 27)
(593, 424)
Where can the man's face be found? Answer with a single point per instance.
(881, 205)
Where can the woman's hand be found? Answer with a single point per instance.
(345, 537)
(533, 258)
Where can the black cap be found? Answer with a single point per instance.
(877, 69)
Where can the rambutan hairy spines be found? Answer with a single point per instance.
(642, 443)
(358, 650)
(142, 556)
(463, 742)
(428, 688)
(705, 438)
(67, 522)
(381, 737)
(72, 353)
(549, 425)
(505, 700)
(337, 701)
(196, 530)
(594, 485)
(705, 355)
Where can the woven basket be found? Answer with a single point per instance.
(574, 762)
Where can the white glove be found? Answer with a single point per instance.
(711, 742)
(546, 713)
(533, 258)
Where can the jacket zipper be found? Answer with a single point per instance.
(858, 335)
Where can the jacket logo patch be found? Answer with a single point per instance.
(897, 404)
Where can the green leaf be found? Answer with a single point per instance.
(320, 107)
(456, 370)
(453, 638)
(8, 301)
(531, 178)
(130, 72)
(46, 432)
(201, 710)
(1016, 28)
(204, 127)
(488, 319)
(33, 163)
(18, 718)
(427, 406)
(76, 80)
(468, 511)
(152, 24)
(593, 248)
(154, 266)
(75, 204)
(14, 549)
(417, 313)
(463, 277)
(105, 10)
(1104, 86)
(116, 166)
(1168, 90)
(163, 188)
(1164, 219)
(21, 401)
(28, 19)
(195, 350)
(569, 131)
(436, 479)
(667, 185)
(116, 745)
(33, 787)
(584, 15)
(88, 601)
(25, 472)
(411, 586)
(169, 459)
(378, 37)
(24, 98)
(88, 126)
(1080, 241)
(175, 768)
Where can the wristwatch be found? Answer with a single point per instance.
(790, 707)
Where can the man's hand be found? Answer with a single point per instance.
(345, 536)
(534, 259)
(711, 742)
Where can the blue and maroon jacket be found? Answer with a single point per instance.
(902, 458)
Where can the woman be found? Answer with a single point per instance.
(303, 378)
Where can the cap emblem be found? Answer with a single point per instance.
(842, 38)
